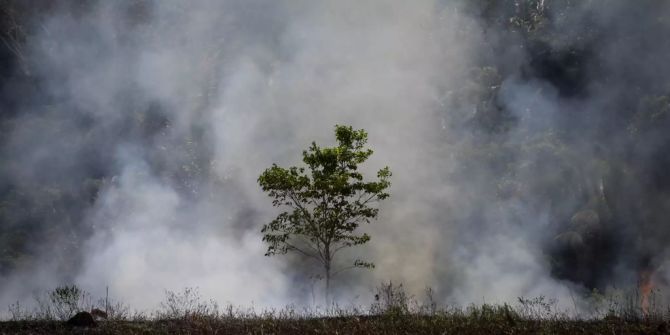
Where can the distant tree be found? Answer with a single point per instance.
(13, 19)
(326, 205)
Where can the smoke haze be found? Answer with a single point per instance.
(522, 165)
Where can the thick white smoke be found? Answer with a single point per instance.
(244, 84)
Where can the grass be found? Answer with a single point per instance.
(497, 323)
(392, 312)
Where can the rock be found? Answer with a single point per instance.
(98, 314)
(82, 319)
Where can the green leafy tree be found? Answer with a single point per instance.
(325, 205)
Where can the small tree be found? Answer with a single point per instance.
(326, 206)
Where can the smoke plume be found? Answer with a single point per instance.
(526, 139)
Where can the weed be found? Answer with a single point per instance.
(186, 303)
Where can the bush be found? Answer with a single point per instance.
(391, 300)
(186, 304)
(62, 303)
(536, 308)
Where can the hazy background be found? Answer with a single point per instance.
(527, 141)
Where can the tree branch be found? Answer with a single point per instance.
(304, 253)
(346, 268)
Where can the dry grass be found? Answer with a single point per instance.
(381, 324)
(392, 312)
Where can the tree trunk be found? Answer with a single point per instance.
(326, 266)
(328, 285)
